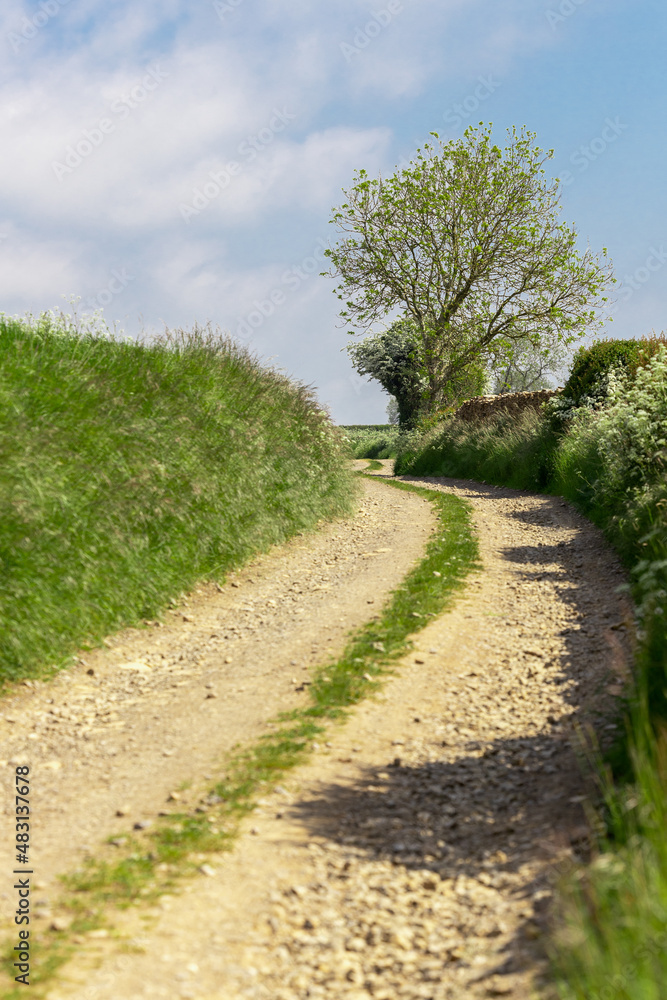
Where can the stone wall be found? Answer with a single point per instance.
(482, 407)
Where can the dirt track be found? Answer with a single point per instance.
(132, 722)
(413, 856)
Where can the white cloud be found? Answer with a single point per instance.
(133, 166)
(36, 271)
(117, 211)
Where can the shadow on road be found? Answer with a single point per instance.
(507, 811)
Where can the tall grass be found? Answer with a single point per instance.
(611, 462)
(129, 471)
(503, 449)
(372, 440)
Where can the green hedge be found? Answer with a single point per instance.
(592, 363)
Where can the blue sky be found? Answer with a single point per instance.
(176, 163)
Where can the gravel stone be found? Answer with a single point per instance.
(428, 875)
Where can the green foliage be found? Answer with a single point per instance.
(612, 940)
(620, 453)
(592, 364)
(372, 440)
(391, 358)
(464, 383)
(612, 462)
(129, 471)
(394, 359)
(466, 240)
(509, 449)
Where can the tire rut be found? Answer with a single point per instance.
(109, 739)
(415, 855)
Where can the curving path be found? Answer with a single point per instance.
(156, 706)
(415, 855)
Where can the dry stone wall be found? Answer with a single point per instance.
(482, 407)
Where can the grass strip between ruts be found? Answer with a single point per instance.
(154, 861)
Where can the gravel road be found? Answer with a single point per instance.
(414, 856)
(158, 706)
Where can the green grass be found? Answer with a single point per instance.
(372, 440)
(153, 863)
(611, 939)
(504, 450)
(611, 936)
(130, 471)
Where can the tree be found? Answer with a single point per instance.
(393, 359)
(465, 239)
(527, 367)
(390, 358)
(392, 411)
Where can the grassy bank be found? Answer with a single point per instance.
(372, 440)
(610, 460)
(129, 471)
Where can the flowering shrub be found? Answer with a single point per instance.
(628, 431)
(617, 454)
